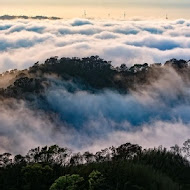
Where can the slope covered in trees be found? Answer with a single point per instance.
(125, 167)
(92, 73)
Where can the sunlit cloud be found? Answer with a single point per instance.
(119, 41)
(81, 120)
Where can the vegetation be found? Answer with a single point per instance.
(92, 73)
(67, 182)
(125, 167)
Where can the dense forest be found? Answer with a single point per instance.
(92, 73)
(128, 166)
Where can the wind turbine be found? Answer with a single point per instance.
(124, 14)
(84, 13)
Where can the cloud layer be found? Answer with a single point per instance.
(23, 42)
(157, 114)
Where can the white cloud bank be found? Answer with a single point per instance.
(23, 42)
(153, 116)
(156, 116)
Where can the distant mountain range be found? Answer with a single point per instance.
(11, 17)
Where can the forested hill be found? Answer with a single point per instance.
(92, 73)
(127, 167)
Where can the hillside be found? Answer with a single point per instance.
(92, 73)
(125, 167)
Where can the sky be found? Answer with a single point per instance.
(97, 8)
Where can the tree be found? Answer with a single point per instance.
(5, 159)
(176, 149)
(76, 159)
(126, 151)
(89, 157)
(68, 182)
(96, 181)
(36, 176)
(19, 159)
(103, 155)
(186, 148)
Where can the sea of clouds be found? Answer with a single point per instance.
(24, 42)
(155, 115)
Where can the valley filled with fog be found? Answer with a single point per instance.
(84, 103)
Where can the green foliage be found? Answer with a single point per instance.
(172, 164)
(35, 176)
(92, 72)
(67, 183)
(96, 180)
(126, 167)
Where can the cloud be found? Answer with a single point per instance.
(154, 115)
(69, 115)
(149, 135)
(79, 22)
(23, 128)
(17, 42)
(106, 35)
(158, 43)
(162, 100)
(133, 41)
